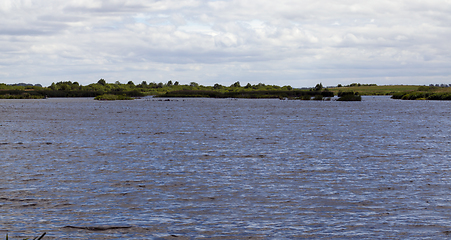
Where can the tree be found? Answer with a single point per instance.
(169, 83)
(319, 86)
(131, 83)
(236, 84)
(53, 86)
(102, 82)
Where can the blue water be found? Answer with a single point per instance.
(225, 168)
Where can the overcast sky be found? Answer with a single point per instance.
(284, 42)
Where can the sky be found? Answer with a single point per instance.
(286, 42)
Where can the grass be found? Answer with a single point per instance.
(111, 97)
(425, 93)
(21, 96)
(376, 90)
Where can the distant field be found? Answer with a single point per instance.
(377, 90)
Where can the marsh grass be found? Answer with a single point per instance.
(21, 96)
(425, 93)
(376, 90)
(111, 97)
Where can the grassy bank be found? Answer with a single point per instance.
(425, 93)
(375, 90)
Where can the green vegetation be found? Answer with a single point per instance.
(373, 89)
(425, 93)
(71, 89)
(305, 97)
(74, 89)
(101, 90)
(20, 95)
(405, 92)
(281, 94)
(349, 96)
(112, 97)
(249, 91)
(318, 97)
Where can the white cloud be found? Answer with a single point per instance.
(276, 42)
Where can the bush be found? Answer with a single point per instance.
(349, 96)
(422, 95)
(306, 97)
(439, 96)
(398, 95)
(318, 97)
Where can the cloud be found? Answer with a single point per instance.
(277, 42)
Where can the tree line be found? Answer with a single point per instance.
(103, 90)
(74, 89)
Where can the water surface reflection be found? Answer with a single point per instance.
(222, 168)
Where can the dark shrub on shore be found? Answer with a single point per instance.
(349, 96)
(440, 96)
(318, 97)
(306, 97)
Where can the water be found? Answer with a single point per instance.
(225, 169)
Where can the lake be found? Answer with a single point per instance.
(225, 169)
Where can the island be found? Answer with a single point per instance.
(101, 90)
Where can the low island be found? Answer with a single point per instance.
(101, 90)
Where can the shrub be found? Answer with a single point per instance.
(318, 97)
(439, 96)
(306, 97)
(398, 95)
(349, 96)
